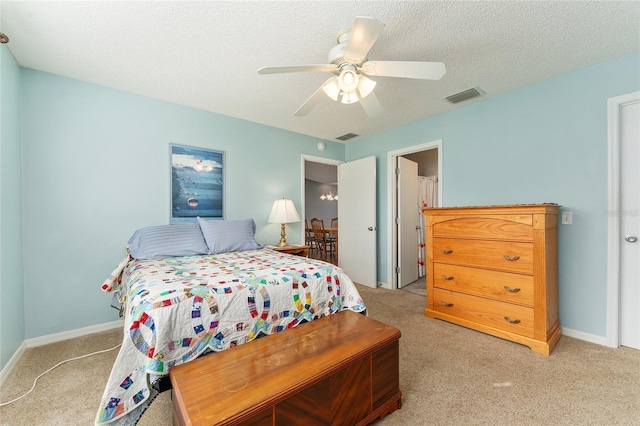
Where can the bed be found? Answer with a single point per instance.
(182, 298)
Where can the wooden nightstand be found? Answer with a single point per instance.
(292, 249)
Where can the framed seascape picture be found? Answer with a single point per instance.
(197, 183)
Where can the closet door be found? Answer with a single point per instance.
(630, 225)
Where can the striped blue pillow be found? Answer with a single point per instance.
(184, 239)
(223, 236)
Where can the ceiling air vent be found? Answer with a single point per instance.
(465, 95)
(347, 136)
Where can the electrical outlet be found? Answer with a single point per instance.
(567, 218)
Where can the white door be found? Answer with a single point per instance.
(407, 221)
(357, 221)
(630, 225)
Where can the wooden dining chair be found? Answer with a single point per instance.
(325, 246)
(309, 237)
(334, 225)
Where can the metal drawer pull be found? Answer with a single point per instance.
(511, 259)
(446, 278)
(448, 305)
(446, 251)
(510, 321)
(512, 290)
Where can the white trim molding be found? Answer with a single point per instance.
(592, 338)
(12, 363)
(53, 338)
(71, 334)
(613, 244)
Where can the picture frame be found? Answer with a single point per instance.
(197, 183)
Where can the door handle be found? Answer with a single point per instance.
(630, 238)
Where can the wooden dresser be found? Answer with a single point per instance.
(494, 269)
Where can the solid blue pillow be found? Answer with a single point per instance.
(184, 239)
(223, 236)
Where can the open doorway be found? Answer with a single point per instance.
(428, 159)
(320, 200)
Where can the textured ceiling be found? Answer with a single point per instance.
(205, 54)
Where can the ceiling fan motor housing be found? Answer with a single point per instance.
(336, 54)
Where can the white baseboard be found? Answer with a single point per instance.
(71, 334)
(384, 285)
(65, 335)
(56, 337)
(12, 363)
(598, 340)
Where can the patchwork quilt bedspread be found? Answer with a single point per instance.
(180, 307)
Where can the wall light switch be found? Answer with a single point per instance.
(567, 218)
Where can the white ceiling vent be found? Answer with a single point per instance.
(465, 95)
(347, 136)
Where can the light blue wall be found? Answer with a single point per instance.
(12, 326)
(543, 143)
(97, 168)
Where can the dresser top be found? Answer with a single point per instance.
(551, 208)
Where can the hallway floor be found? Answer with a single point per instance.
(330, 257)
(419, 286)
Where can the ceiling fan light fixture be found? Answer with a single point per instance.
(349, 97)
(349, 64)
(366, 86)
(348, 79)
(332, 89)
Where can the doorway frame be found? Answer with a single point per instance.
(392, 235)
(613, 244)
(303, 193)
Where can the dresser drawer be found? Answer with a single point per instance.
(504, 286)
(501, 255)
(514, 228)
(504, 316)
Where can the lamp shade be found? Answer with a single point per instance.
(283, 211)
(332, 89)
(365, 87)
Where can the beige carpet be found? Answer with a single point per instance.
(449, 375)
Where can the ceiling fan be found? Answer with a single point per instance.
(348, 61)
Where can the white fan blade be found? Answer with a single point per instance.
(312, 100)
(299, 68)
(371, 105)
(423, 70)
(364, 33)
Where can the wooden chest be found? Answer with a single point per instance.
(494, 269)
(342, 369)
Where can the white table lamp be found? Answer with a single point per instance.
(283, 212)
